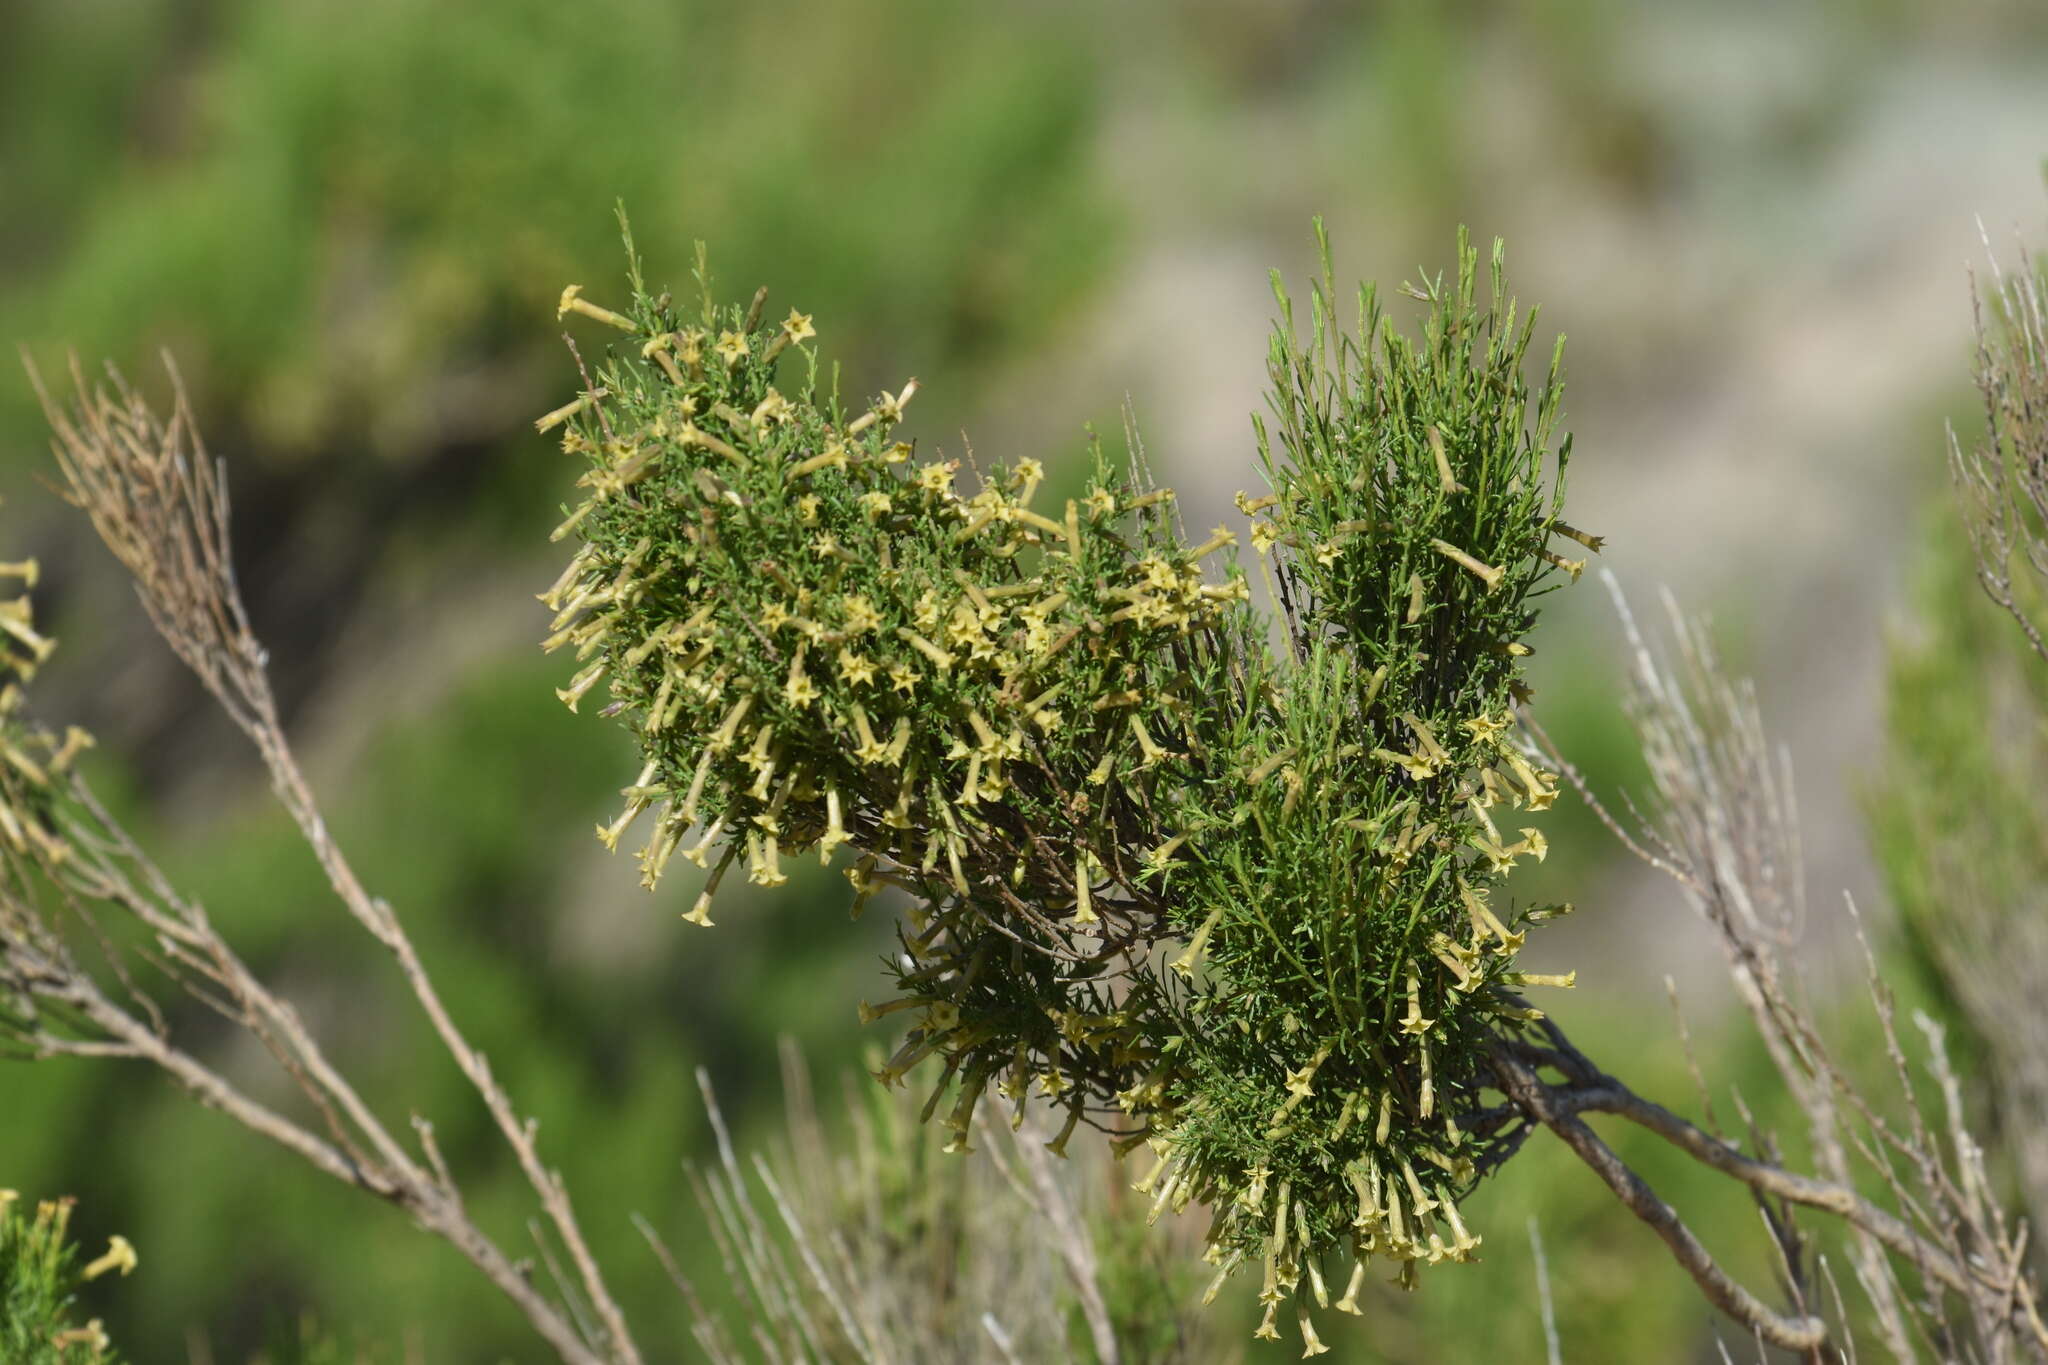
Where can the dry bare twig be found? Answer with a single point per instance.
(1724, 827)
(877, 1248)
(160, 504)
(2003, 479)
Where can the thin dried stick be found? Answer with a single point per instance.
(159, 502)
(1551, 1353)
(1724, 827)
(1521, 1083)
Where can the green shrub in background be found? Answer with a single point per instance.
(1960, 816)
(367, 203)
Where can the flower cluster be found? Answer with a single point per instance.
(1237, 903)
(39, 1278)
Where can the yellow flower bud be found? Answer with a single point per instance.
(1486, 574)
(119, 1257)
(1593, 543)
(574, 302)
(1349, 1303)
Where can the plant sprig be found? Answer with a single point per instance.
(1237, 905)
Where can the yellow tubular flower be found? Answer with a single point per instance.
(1349, 1303)
(574, 302)
(1311, 1344)
(119, 1256)
(1413, 1023)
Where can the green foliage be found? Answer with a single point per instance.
(39, 1283)
(1147, 1290)
(1963, 689)
(367, 199)
(1960, 818)
(306, 1342)
(1239, 901)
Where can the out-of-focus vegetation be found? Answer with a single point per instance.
(351, 222)
(1959, 820)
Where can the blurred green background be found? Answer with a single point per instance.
(350, 222)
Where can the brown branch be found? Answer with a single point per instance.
(1521, 1083)
(1723, 826)
(1604, 1094)
(1557, 1106)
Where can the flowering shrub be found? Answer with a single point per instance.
(1240, 903)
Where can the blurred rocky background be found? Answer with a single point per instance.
(350, 222)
